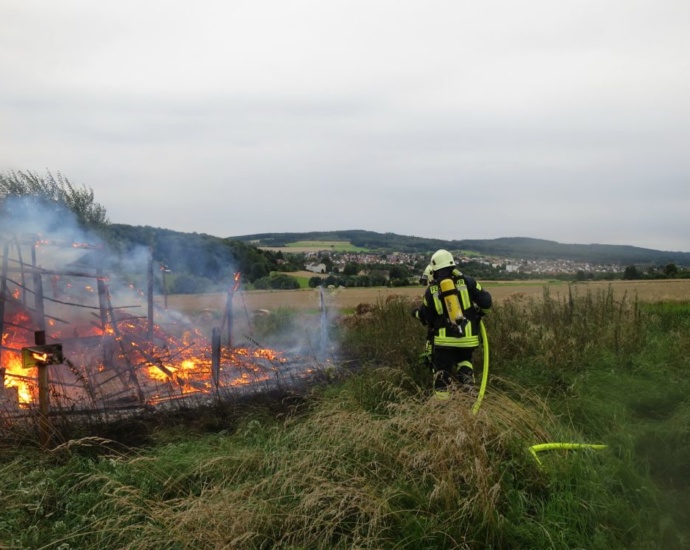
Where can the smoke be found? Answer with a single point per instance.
(199, 262)
(34, 218)
(46, 235)
(67, 250)
(305, 330)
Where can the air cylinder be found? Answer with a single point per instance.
(451, 299)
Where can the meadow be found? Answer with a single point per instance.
(316, 246)
(369, 459)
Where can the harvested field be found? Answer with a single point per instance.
(672, 290)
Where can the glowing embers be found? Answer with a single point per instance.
(188, 370)
(120, 367)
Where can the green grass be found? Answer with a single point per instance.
(373, 462)
(303, 281)
(336, 246)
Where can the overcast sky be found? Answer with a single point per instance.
(566, 120)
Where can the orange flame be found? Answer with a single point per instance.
(16, 376)
(236, 280)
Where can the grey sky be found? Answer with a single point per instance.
(564, 120)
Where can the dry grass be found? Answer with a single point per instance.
(344, 478)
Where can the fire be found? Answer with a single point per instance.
(169, 365)
(13, 339)
(192, 373)
(48, 242)
(19, 378)
(116, 355)
(236, 281)
(263, 353)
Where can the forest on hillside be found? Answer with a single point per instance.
(507, 247)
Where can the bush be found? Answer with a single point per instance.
(185, 283)
(315, 282)
(387, 334)
(279, 281)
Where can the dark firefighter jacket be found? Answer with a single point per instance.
(474, 301)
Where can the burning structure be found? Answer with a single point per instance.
(114, 346)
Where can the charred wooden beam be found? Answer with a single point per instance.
(44, 424)
(9, 348)
(38, 293)
(150, 295)
(15, 325)
(215, 357)
(102, 300)
(3, 292)
(21, 266)
(228, 312)
(32, 269)
(118, 337)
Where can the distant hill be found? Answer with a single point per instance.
(505, 247)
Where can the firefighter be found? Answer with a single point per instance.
(426, 277)
(452, 306)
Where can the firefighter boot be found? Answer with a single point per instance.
(466, 377)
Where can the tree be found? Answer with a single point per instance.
(362, 280)
(671, 270)
(53, 191)
(330, 281)
(351, 268)
(189, 284)
(279, 281)
(398, 272)
(377, 278)
(257, 271)
(314, 282)
(631, 272)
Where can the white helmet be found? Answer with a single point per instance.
(427, 275)
(440, 259)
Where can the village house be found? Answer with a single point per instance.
(316, 268)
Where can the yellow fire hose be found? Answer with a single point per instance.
(485, 373)
(534, 449)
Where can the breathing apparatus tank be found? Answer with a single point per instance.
(451, 299)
